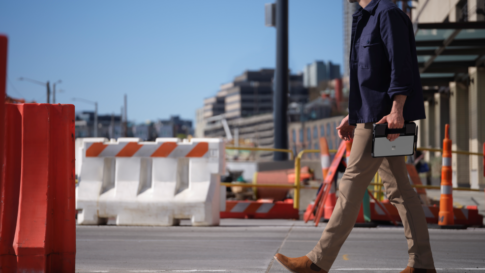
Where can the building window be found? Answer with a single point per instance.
(322, 130)
(308, 134)
(328, 129)
(293, 134)
(301, 135)
(330, 144)
(315, 132)
(315, 146)
(335, 130)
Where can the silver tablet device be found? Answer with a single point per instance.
(404, 145)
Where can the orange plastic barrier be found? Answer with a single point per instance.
(37, 223)
(325, 161)
(324, 191)
(446, 200)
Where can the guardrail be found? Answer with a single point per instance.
(262, 150)
(455, 152)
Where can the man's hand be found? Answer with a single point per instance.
(345, 130)
(395, 119)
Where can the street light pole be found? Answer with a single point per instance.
(54, 91)
(47, 85)
(95, 113)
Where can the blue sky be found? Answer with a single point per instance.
(167, 56)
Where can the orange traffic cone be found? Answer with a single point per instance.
(325, 161)
(446, 217)
(324, 156)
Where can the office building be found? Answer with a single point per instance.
(320, 71)
(251, 94)
(109, 126)
(348, 10)
(173, 127)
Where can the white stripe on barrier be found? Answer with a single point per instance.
(446, 161)
(325, 161)
(265, 208)
(378, 209)
(240, 207)
(427, 212)
(445, 189)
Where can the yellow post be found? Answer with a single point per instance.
(376, 186)
(296, 194)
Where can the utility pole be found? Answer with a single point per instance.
(54, 91)
(95, 119)
(46, 84)
(280, 95)
(125, 117)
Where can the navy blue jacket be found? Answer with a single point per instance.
(383, 63)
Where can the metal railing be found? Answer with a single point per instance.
(454, 152)
(262, 150)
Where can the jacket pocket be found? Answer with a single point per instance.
(370, 52)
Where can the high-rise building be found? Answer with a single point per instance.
(173, 127)
(348, 10)
(109, 126)
(319, 71)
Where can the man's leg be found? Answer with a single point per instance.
(400, 193)
(360, 170)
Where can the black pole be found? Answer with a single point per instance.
(48, 92)
(280, 95)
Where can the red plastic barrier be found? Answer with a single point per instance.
(10, 191)
(260, 210)
(37, 224)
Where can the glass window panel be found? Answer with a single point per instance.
(433, 34)
(455, 58)
(328, 129)
(301, 135)
(437, 75)
(308, 134)
(315, 132)
(471, 34)
(293, 133)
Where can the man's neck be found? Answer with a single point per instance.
(364, 3)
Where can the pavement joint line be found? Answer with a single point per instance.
(278, 250)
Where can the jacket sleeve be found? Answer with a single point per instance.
(395, 36)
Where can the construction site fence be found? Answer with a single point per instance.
(297, 185)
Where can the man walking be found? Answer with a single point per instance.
(385, 87)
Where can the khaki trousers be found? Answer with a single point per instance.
(360, 171)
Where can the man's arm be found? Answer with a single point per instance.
(394, 31)
(395, 119)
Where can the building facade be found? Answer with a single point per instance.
(450, 43)
(306, 135)
(251, 94)
(318, 71)
(109, 126)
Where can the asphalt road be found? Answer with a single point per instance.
(249, 246)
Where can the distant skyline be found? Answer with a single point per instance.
(167, 56)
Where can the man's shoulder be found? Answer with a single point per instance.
(385, 6)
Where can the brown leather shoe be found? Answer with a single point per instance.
(298, 265)
(417, 270)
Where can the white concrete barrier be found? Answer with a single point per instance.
(151, 183)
